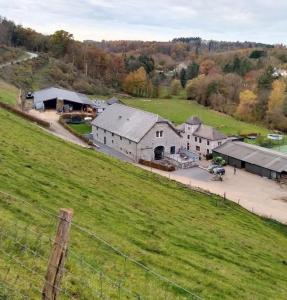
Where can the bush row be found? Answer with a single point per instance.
(154, 165)
(24, 115)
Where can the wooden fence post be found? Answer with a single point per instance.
(58, 255)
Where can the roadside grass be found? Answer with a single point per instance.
(213, 248)
(8, 93)
(81, 128)
(179, 111)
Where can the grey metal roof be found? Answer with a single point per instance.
(57, 93)
(209, 133)
(256, 155)
(113, 100)
(100, 103)
(128, 122)
(193, 121)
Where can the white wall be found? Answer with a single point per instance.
(147, 145)
(114, 141)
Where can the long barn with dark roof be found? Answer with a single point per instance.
(254, 159)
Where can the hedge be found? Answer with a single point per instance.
(154, 165)
(24, 115)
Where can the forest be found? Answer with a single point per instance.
(243, 79)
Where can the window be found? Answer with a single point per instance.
(188, 146)
(219, 143)
(172, 150)
(195, 138)
(121, 138)
(208, 143)
(197, 148)
(188, 137)
(159, 134)
(207, 151)
(105, 131)
(130, 142)
(112, 141)
(112, 134)
(200, 140)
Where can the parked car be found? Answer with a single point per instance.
(212, 167)
(219, 171)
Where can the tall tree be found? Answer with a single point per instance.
(183, 77)
(246, 109)
(59, 42)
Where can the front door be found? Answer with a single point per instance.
(159, 153)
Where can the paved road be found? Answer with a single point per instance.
(30, 55)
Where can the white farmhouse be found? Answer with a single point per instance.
(199, 137)
(136, 133)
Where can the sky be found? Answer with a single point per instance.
(161, 20)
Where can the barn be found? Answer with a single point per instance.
(254, 159)
(53, 98)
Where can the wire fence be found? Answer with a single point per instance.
(95, 268)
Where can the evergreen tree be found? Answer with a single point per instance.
(183, 77)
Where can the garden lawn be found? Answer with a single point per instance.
(215, 249)
(178, 111)
(81, 128)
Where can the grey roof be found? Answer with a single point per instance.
(100, 103)
(209, 133)
(256, 155)
(193, 121)
(113, 100)
(128, 122)
(57, 93)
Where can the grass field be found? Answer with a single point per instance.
(82, 128)
(216, 250)
(8, 93)
(179, 111)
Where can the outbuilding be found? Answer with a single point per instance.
(56, 98)
(254, 159)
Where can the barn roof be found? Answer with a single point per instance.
(128, 122)
(58, 93)
(256, 155)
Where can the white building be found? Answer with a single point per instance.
(199, 137)
(136, 133)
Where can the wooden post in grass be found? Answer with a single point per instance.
(58, 255)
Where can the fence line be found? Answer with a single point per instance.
(109, 245)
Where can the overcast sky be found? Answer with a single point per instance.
(162, 20)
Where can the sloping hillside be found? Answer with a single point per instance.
(215, 250)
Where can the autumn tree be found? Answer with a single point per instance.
(137, 83)
(206, 66)
(175, 87)
(59, 42)
(246, 109)
(276, 105)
